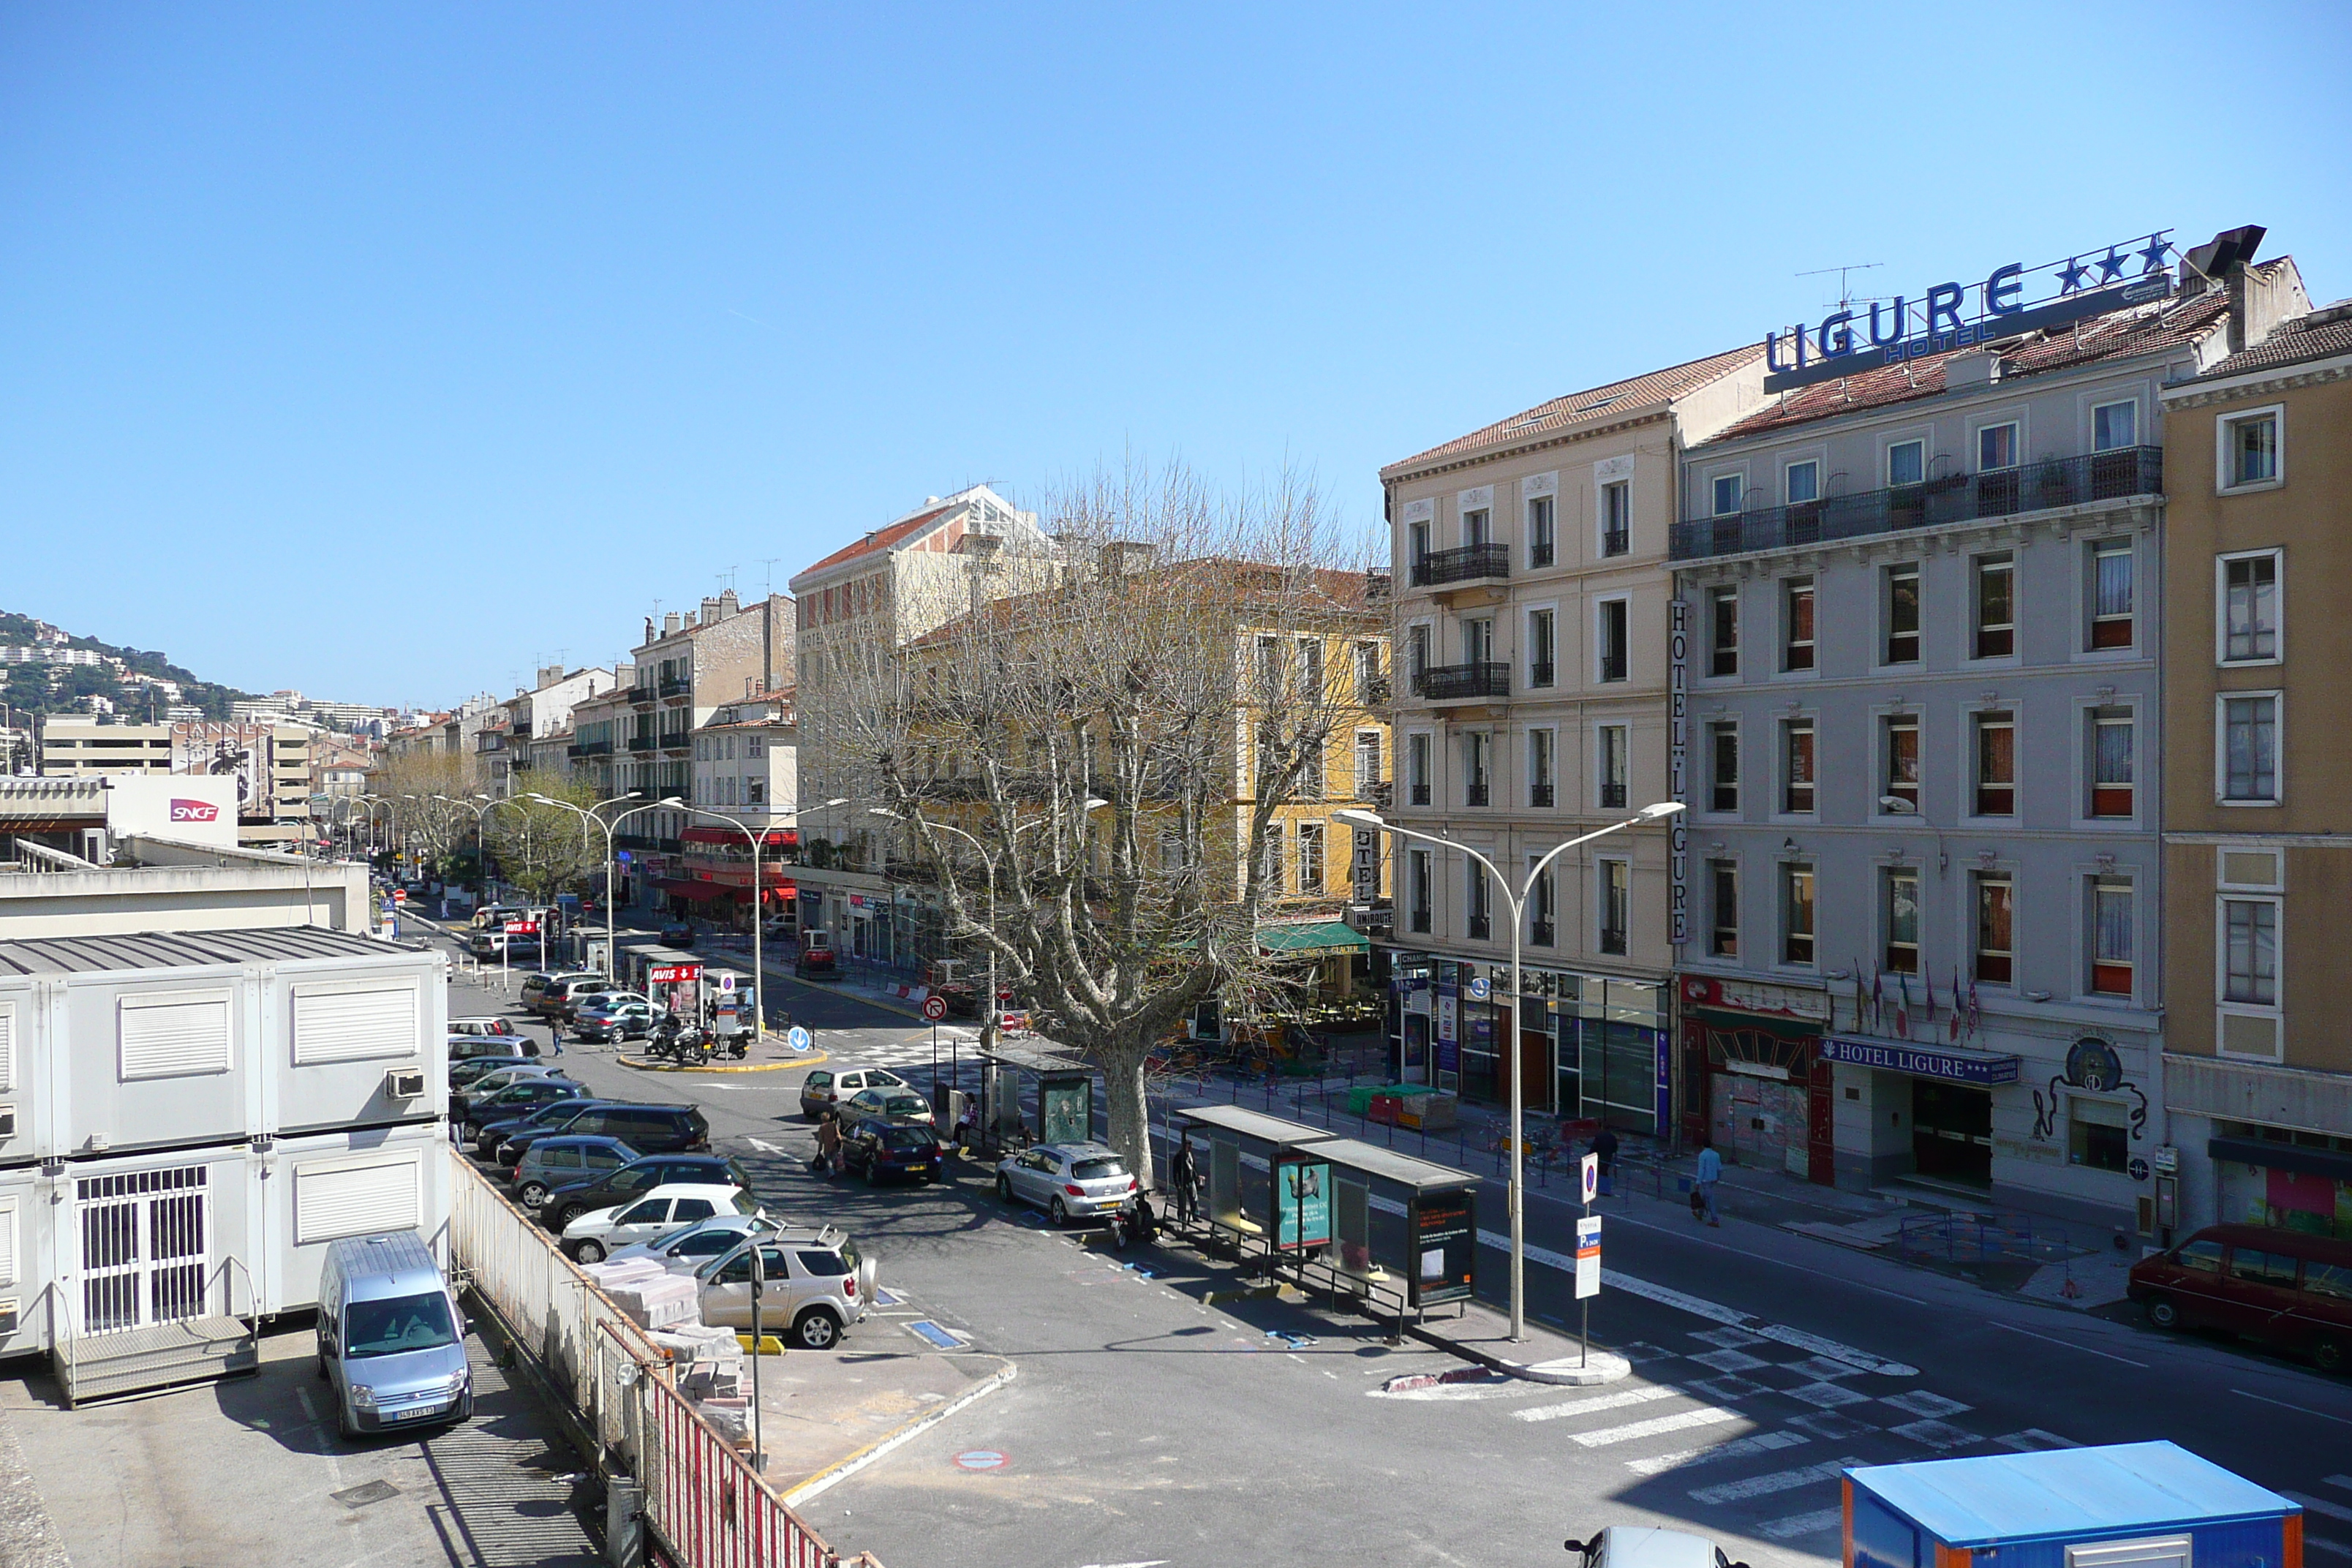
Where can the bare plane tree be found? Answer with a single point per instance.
(1092, 775)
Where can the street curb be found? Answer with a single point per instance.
(841, 1471)
(642, 1064)
(1605, 1366)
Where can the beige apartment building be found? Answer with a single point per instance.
(86, 748)
(1532, 596)
(2258, 785)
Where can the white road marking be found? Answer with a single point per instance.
(2324, 1544)
(1919, 1402)
(1738, 1447)
(2035, 1437)
(1937, 1435)
(1606, 1401)
(1706, 1416)
(1799, 1524)
(763, 1146)
(2283, 1405)
(2070, 1345)
(1155, 1563)
(2319, 1505)
(1775, 1481)
(2344, 1481)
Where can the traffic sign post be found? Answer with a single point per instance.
(1588, 1280)
(1589, 1169)
(798, 1039)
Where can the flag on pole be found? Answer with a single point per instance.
(1975, 1014)
(1858, 1024)
(1903, 1006)
(1878, 1000)
(1959, 1009)
(1927, 986)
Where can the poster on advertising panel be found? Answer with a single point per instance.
(1303, 1198)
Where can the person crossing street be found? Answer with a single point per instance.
(1710, 1171)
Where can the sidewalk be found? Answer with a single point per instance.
(2062, 1262)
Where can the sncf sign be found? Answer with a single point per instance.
(194, 811)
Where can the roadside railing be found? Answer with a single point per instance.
(704, 1504)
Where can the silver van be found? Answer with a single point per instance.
(392, 1340)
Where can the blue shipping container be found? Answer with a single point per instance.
(2135, 1505)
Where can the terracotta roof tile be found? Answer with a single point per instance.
(2305, 337)
(881, 539)
(1639, 391)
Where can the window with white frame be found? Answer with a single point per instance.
(2249, 967)
(1543, 924)
(2115, 426)
(2249, 747)
(1368, 763)
(1476, 906)
(1609, 764)
(1416, 768)
(1723, 631)
(2111, 744)
(1612, 639)
(1477, 780)
(1796, 913)
(1310, 856)
(1616, 884)
(1797, 623)
(1995, 762)
(1539, 530)
(1906, 464)
(1474, 525)
(2110, 906)
(1796, 765)
(1723, 908)
(1898, 916)
(1722, 766)
(1996, 606)
(1617, 517)
(1542, 780)
(1997, 447)
(1903, 612)
(1417, 542)
(1801, 482)
(2251, 448)
(1727, 487)
(2111, 593)
(1270, 857)
(1543, 648)
(1477, 639)
(1369, 683)
(1416, 653)
(1899, 742)
(2246, 617)
(1417, 878)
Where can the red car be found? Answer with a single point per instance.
(2291, 1291)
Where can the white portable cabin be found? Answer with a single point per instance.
(188, 1119)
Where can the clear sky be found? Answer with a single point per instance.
(386, 350)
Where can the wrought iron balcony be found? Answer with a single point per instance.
(1616, 542)
(1460, 682)
(1464, 565)
(1542, 672)
(676, 686)
(1481, 928)
(1613, 797)
(590, 749)
(1539, 795)
(1420, 794)
(641, 742)
(1543, 933)
(1951, 498)
(641, 696)
(1474, 794)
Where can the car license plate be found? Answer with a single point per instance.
(416, 1412)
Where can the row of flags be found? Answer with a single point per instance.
(1889, 1002)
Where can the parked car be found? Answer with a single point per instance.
(522, 1095)
(564, 1159)
(546, 997)
(502, 1141)
(885, 1104)
(481, 1026)
(391, 1337)
(2293, 1292)
(603, 995)
(823, 1090)
(878, 1149)
(1648, 1546)
(622, 1021)
(465, 1047)
(688, 1248)
(1068, 1181)
(816, 1285)
(816, 955)
(492, 1081)
(649, 1129)
(574, 1198)
(472, 1069)
(591, 1236)
(677, 933)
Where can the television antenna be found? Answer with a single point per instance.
(1847, 299)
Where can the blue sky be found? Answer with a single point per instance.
(381, 352)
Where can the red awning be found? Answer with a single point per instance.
(687, 889)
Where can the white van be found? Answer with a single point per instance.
(391, 1339)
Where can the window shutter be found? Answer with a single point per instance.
(7, 1241)
(7, 1045)
(361, 1199)
(173, 1035)
(354, 1021)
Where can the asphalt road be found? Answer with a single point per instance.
(1149, 1426)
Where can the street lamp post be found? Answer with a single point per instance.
(759, 973)
(1517, 902)
(588, 815)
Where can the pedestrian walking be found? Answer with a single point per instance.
(828, 1144)
(1710, 1171)
(555, 1034)
(1604, 1144)
(1182, 1176)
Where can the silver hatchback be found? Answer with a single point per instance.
(1068, 1181)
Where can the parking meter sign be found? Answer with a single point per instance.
(1587, 1257)
(935, 1008)
(1589, 1169)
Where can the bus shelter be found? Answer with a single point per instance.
(1065, 1095)
(669, 978)
(1253, 1164)
(1401, 1223)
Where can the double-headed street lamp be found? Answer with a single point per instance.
(588, 815)
(1517, 902)
(759, 916)
(988, 1016)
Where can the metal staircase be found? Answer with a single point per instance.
(199, 1348)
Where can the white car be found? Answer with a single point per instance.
(483, 1026)
(1646, 1546)
(685, 1250)
(594, 1236)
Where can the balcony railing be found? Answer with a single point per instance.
(1542, 672)
(1480, 929)
(1953, 498)
(1542, 933)
(1613, 797)
(676, 686)
(1539, 795)
(1474, 794)
(1464, 565)
(1420, 794)
(1616, 542)
(677, 741)
(1456, 682)
(641, 742)
(641, 696)
(590, 749)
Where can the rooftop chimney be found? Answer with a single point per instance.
(1964, 371)
(710, 612)
(669, 624)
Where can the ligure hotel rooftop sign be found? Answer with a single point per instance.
(2014, 299)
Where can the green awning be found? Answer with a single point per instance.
(1306, 939)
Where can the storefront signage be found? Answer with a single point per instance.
(1920, 1061)
(1749, 996)
(672, 974)
(1588, 1257)
(1677, 770)
(2060, 291)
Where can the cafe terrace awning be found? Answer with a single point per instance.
(1308, 938)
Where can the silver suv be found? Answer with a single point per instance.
(817, 1283)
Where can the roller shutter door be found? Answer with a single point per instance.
(354, 1022)
(174, 1034)
(357, 1199)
